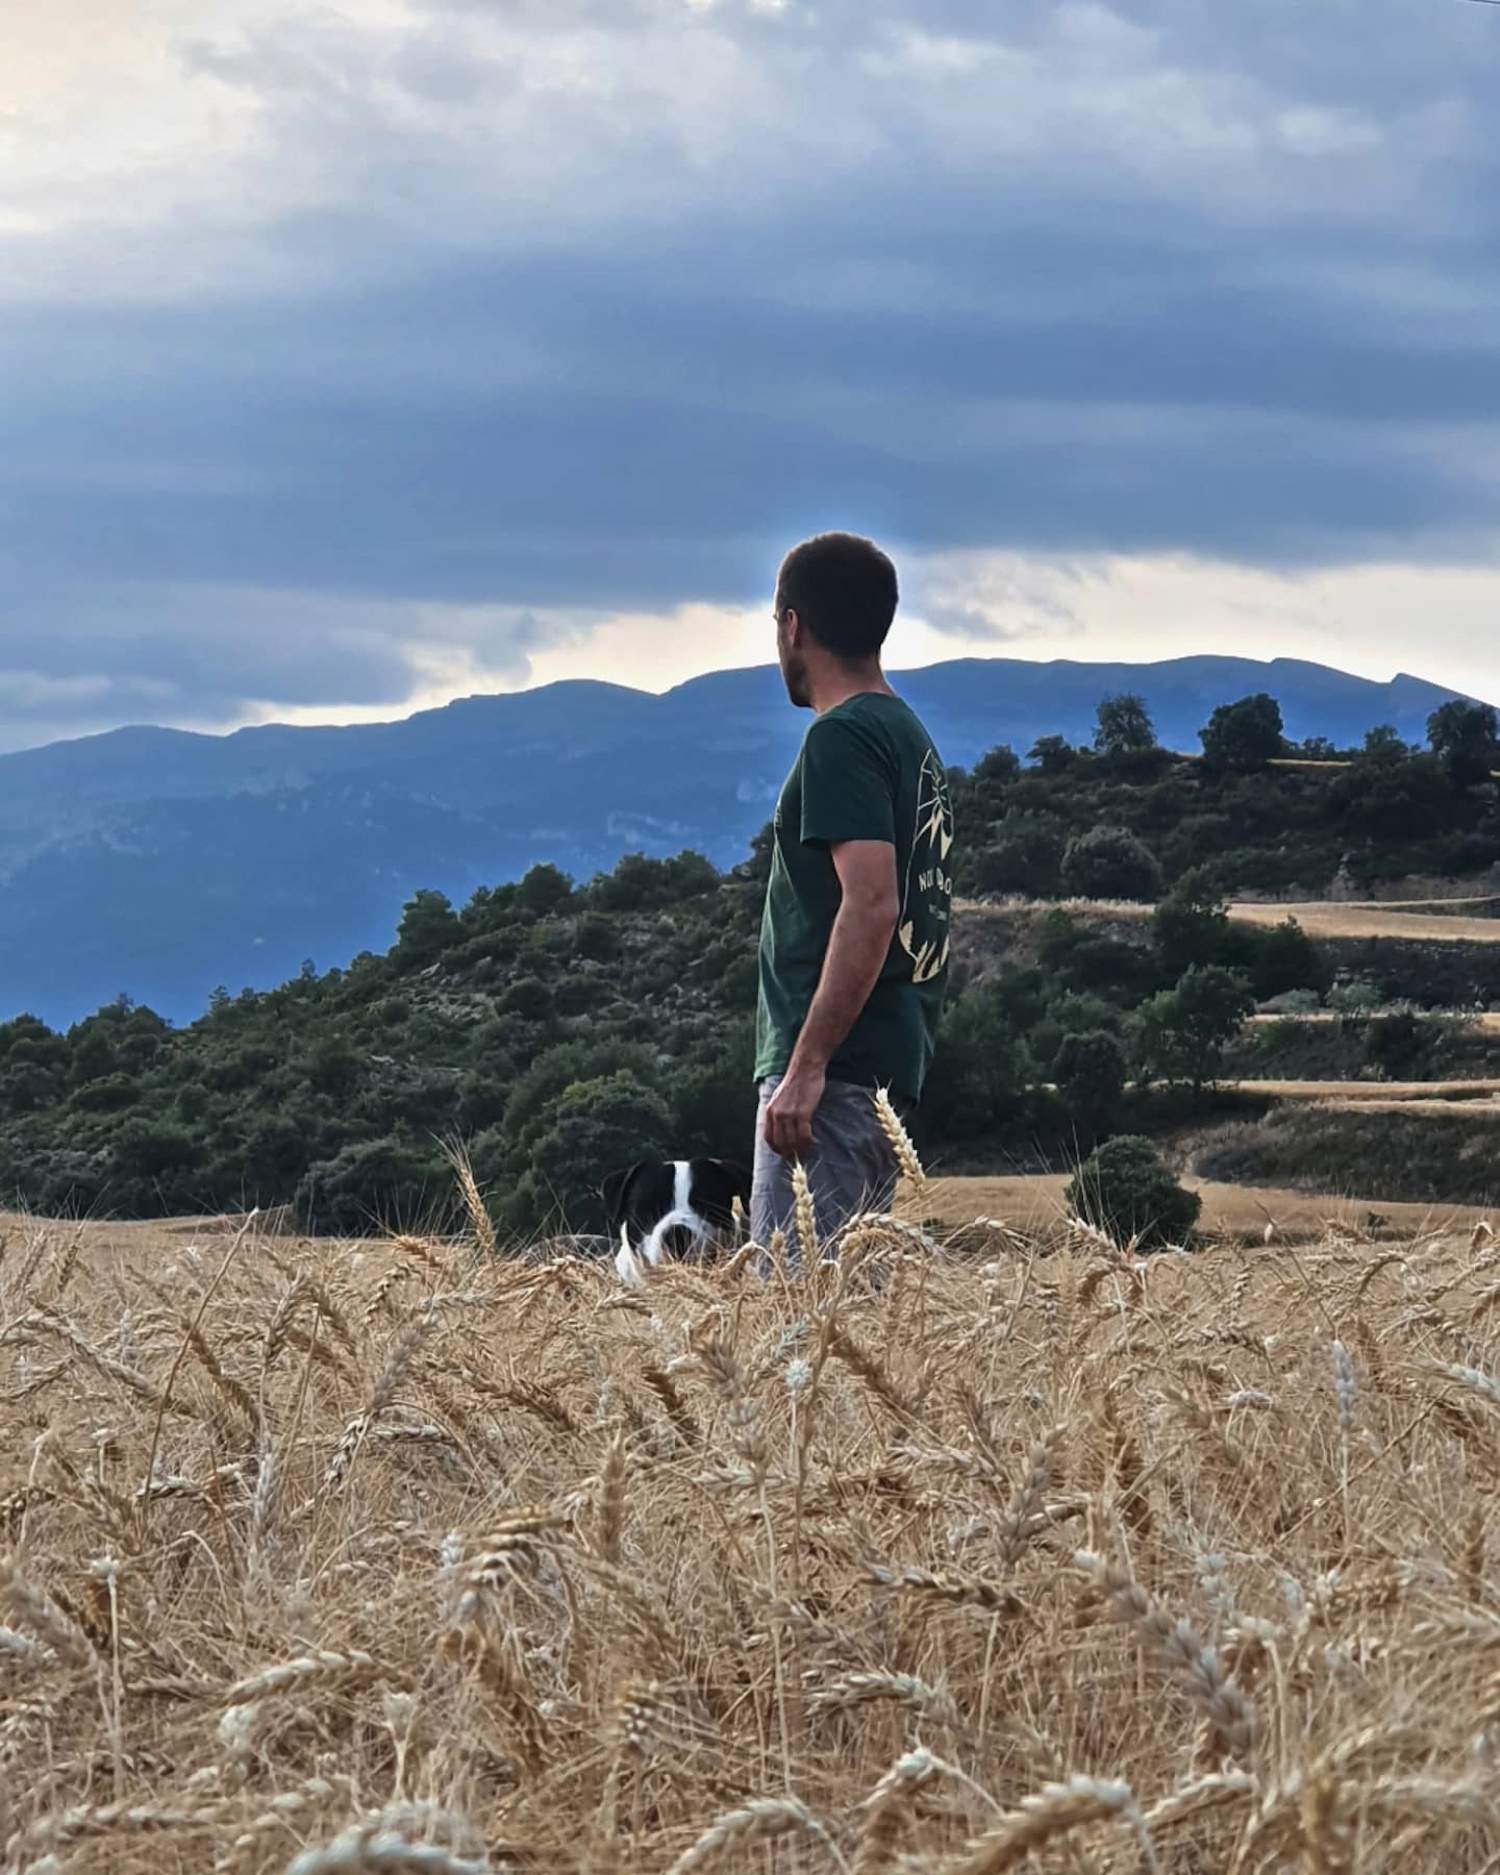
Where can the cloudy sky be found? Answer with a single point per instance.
(362, 356)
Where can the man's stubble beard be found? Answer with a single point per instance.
(794, 676)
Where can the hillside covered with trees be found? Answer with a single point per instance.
(160, 862)
(562, 1029)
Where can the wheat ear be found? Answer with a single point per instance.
(1053, 1811)
(479, 1218)
(806, 1216)
(612, 1485)
(754, 1822)
(887, 1808)
(901, 1142)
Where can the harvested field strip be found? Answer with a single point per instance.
(948, 1564)
(1485, 1021)
(1482, 905)
(1444, 1109)
(1034, 1204)
(1333, 920)
(1318, 918)
(1354, 1092)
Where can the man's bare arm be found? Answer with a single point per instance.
(857, 950)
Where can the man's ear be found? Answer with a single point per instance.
(616, 1189)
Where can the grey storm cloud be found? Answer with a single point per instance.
(520, 312)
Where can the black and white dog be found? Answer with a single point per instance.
(663, 1208)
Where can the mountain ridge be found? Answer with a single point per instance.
(161, 862)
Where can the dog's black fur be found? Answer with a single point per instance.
(662, 1208)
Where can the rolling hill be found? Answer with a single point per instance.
(160, 863)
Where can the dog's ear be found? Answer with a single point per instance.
(615, 1190)
(737, 1177)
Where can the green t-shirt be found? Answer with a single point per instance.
(867, 770)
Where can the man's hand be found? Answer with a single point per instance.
(789, 1113)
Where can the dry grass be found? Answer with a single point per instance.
(954, 1563)
(1033, 1204)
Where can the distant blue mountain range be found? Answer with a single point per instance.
(161, 863)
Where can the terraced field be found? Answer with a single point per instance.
(1414, 923)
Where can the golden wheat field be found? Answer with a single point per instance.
(411, 1557)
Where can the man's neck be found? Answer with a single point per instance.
(836, 683)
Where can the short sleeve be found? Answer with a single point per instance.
(848, 784)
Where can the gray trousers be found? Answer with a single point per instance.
(851, 1167)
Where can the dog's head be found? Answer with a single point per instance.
(661, 1208)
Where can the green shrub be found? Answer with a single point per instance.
(1090, 1076)
(1399, 1047)
(429, 925)
(576, 995)
(333, 1066)
(593, 1128)
(1244, 736)
(1075, 1012)
(979, 1072)
(1181, 1034)
(544, 890)
(1123, 1189)
(1284, 958)
(1190, 926)
(1110, 862)
(595, 937)
(373, 1185)
(528, 997)
(110, 1094)
(1025, 857)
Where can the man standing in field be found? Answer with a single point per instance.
(855, 935)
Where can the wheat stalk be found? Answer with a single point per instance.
(1180, 1648)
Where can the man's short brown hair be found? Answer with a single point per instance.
(843, 588)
